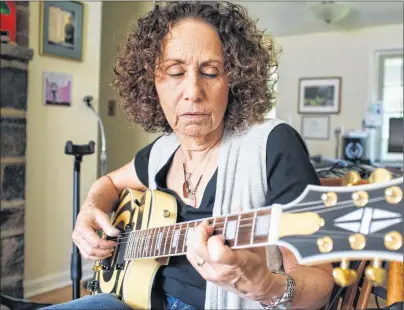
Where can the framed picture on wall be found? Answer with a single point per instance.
(319, 95)
(57, 88)
(61, 32)
(315, 127)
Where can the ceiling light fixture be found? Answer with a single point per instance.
(330, 11)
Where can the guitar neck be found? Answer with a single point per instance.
(242, 230)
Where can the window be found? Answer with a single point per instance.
(390, 92)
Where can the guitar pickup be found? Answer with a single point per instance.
(106, 262)
(122, 242)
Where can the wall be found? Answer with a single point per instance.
(123, 138)
(350, 55)
(49, 172)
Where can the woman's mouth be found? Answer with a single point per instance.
(194, 116)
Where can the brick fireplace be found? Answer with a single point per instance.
(13, 103)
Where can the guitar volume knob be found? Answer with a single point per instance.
(166, 213)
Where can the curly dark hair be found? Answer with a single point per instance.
(250, 62)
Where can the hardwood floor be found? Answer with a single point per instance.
(58, 296)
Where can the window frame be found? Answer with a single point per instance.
(381, 56)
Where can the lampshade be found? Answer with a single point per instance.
(330, 11)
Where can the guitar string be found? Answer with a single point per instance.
(183, 231)
(341, 234)
(346, 203)
(252, 211)
(140, 252)
(198, 221)
(140, 248)
(343, 207)
(326, 209)
(223, 218)
(319, 207)
(315, 235)
(169, 234)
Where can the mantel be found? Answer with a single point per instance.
(9, 51)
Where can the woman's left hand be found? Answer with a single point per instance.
(243, 271)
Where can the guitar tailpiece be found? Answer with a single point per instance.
(93, 286)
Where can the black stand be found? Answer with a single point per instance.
(78, 151)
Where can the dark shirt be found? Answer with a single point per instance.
(289, 171)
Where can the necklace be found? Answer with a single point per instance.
(188, 190)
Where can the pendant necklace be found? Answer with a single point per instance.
(188, 189)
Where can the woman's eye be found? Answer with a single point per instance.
(210, 75)
(175, 74)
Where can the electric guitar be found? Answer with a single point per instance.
(324, 224)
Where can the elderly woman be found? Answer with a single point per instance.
(198, 73)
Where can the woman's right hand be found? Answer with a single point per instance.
(91, 246)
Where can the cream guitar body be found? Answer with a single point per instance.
(132, 281)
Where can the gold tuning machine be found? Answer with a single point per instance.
(375, 273)
(344, 276)
(380, 175)
(351, 178)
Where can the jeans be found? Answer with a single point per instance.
(110, 302)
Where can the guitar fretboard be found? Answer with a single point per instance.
(241, 230)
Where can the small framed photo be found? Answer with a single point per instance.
(315, 127)
(57, 88)
(61, 32)
(319, 95)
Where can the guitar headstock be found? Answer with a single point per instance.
(353, 222)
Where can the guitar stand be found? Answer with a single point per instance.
(78, 151)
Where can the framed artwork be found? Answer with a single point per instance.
(8, 22)
(61, 32)
(315, 127)
(319, 95)
(57, 88)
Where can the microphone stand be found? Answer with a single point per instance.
(103, 156)
(78, 151)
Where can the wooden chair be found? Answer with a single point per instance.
(352, 295)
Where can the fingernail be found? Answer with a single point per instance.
(113, 232)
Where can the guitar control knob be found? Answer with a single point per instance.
(344, 276)
(375, 273)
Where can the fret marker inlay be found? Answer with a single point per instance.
(190, 230)
(159, 239)
(176, 235)
(262, 225)
(231, 230)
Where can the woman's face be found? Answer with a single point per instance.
(191, 83)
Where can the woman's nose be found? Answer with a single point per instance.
(193, 89)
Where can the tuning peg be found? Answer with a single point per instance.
(393, 194)
(380, 175)
(351, 178)
(375, 273)
(343, 275)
